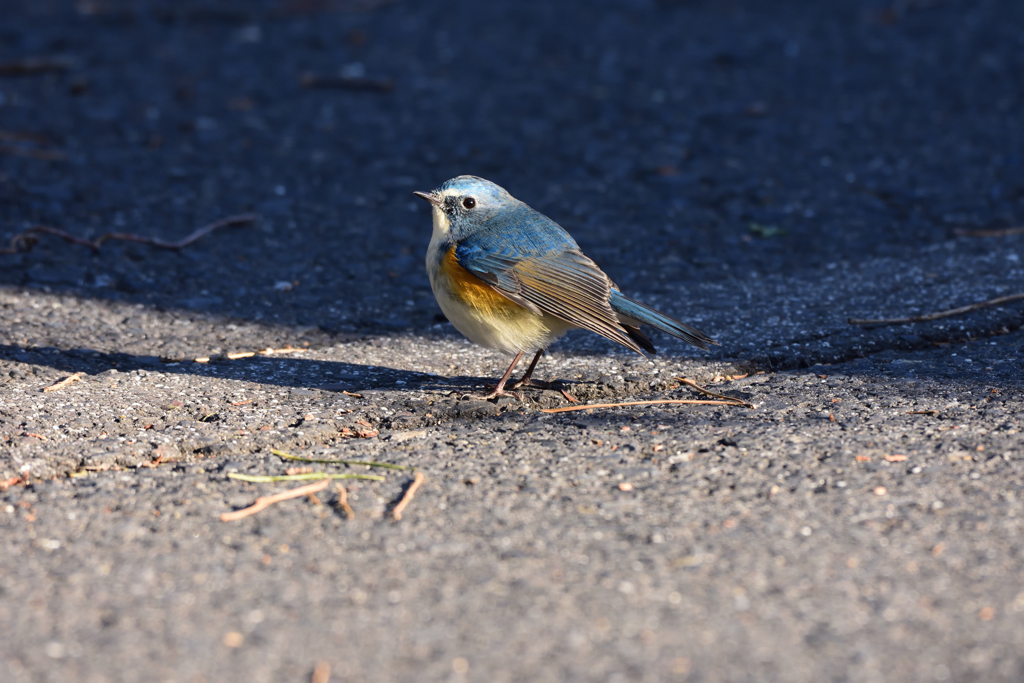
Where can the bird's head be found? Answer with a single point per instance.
(466, 203)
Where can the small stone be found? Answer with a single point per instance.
(233, 639)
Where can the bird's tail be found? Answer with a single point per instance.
(635, 312)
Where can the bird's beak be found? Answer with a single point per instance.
(430, 197)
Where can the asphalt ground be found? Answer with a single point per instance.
(763, 172)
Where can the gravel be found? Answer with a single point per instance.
(765, 173)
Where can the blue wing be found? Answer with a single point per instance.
(501, 243)
(531, 260)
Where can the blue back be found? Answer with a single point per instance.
(501, 230)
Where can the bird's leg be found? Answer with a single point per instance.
(525, 380)
(499, 390)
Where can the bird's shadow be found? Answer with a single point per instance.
(291, 371)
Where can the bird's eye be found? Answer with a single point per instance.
(469, 202)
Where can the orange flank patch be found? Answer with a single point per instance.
(473, 291)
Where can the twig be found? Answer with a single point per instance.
(645, 403)
(33, 153)
(288, 349)
(4, 485)
(321, 673)
(691, 383)
(990, 233)
(407, 498)
(922, 412)
(343, 502)
(267, 478)
(940, 314)
(719, 378)
(34, 65)
(267, 501)
(64, 382)
(349, 393)
(24, 136)
(237, 219)
(247, 354)
(292, 8)
(347, 83)
(24, 241)
(387, 465)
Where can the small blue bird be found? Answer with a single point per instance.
(510, 278)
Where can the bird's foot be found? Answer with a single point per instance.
(535, 383)
(556, 385)
(496, 392)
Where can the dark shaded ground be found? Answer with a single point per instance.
(765, 172)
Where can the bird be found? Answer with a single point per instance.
(509, 278)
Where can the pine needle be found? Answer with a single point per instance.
(644, 403)
(263, 479)
(326, 461)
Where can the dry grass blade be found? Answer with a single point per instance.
(64, 382)
(328, 461)
(940, 314)
(692, 402)
(267, 501)
(407, 497)
(706, 392)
